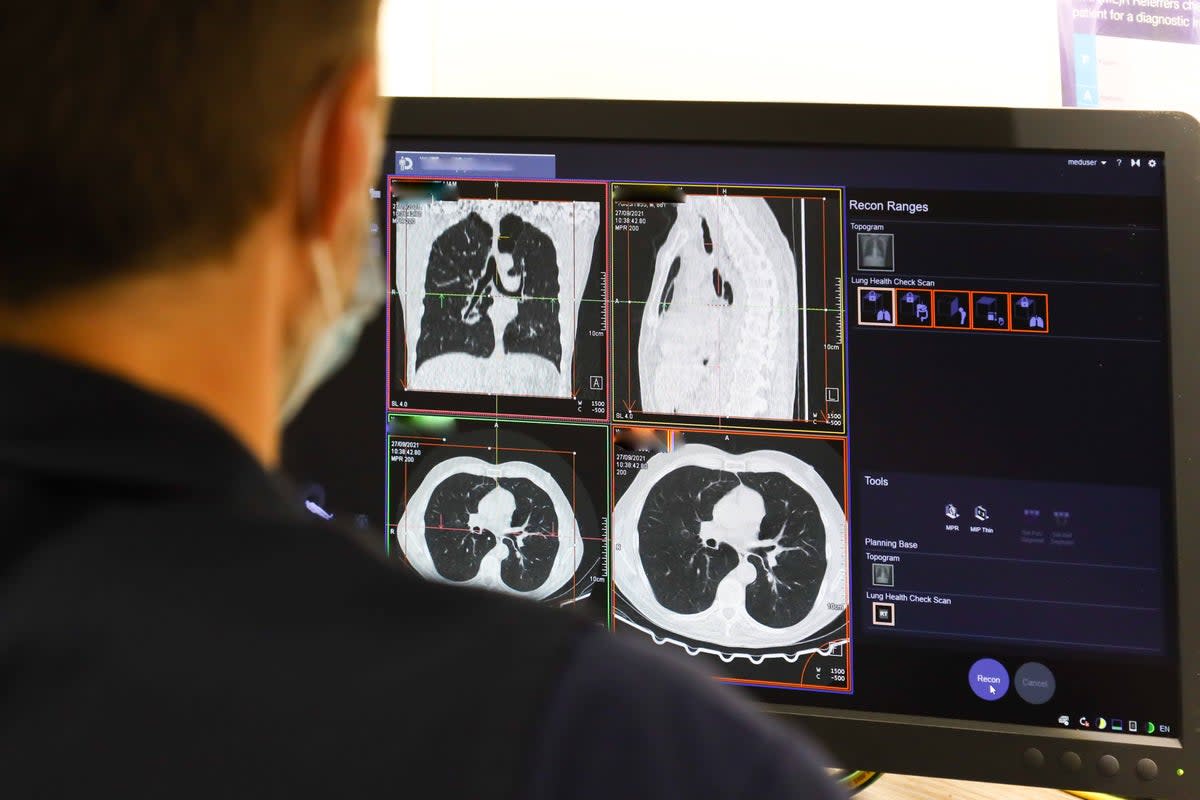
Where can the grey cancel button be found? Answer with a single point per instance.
(1034, 683)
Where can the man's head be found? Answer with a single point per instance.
(155, 150)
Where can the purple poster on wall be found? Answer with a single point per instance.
(1130, 53)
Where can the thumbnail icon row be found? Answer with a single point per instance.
(701, 305)
(1021, 312)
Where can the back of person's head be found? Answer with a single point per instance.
(188, 170)
(140, 134)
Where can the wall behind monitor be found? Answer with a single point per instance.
(939, 52)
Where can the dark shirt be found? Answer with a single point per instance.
(171, 626)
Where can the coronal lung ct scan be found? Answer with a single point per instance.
(497, 296)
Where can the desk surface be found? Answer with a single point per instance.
(907, 787)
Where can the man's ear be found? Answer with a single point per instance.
(340, 151)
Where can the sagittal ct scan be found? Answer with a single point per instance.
(731, 305)
(490, 291)
(739, 554)
(477, 504)
(721, 337)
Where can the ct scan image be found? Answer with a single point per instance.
(729, 348)
(498, 505)
(728, 306)
(877, 252)
(733, 546)
(498, 296)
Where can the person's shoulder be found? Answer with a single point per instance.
(641, 723)
(336, 567)
(253, 640)
(248, 568)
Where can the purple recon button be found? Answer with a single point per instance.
(988, 679)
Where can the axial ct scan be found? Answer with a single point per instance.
(506, 526)
(738, 554)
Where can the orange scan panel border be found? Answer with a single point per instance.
(1007, 311)
(918, 326)
(1046, 304)
(669, 437)
(970, 310)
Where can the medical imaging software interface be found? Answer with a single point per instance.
(862, 429)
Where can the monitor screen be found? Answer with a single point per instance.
(866, 429)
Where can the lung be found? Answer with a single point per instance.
(744, 552)
(490, 292)
(456, 546)
(535, 329)
(506, 527)
(720, 329)
(532, 542)
(669, 536)
(457, 297)
(788, 570)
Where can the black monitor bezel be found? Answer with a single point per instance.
(902, 743)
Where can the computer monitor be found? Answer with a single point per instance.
(886, 415)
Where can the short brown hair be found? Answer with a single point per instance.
(145, 131)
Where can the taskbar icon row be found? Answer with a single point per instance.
(1114, 725)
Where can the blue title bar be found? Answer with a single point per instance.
(474, 165)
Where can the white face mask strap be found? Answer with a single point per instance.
(321, 258)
